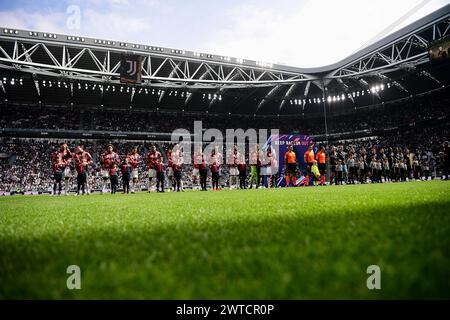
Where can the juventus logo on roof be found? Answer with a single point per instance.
(130, 68)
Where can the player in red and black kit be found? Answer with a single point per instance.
(214, 165)
(134, 159)
(67, 173)
(83, 160)
(201, 165)
(177, 165)
(152, 158)
(59, 160)
(197, 160)
(170, 169)
(233, 165)
(110, 160)
(88, 156)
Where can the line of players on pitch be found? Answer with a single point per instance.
(262, 165)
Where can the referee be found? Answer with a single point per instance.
(309, 160)
(322, 159)
(290, 160)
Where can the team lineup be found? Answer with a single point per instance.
(164, 168)
(263, 168)
(64, 161)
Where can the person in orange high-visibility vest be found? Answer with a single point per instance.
(290, 160)
(309, 160)
(321, 161)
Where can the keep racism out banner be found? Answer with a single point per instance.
(299, 143)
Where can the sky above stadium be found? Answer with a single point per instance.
(298, 33)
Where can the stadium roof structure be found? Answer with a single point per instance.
(50, 68)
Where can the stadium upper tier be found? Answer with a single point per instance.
(187, 80)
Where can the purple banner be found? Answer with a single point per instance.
(299, 143)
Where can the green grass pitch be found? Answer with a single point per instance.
(297, 243)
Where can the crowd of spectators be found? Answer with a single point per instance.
(25, 163)
(130, 120)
